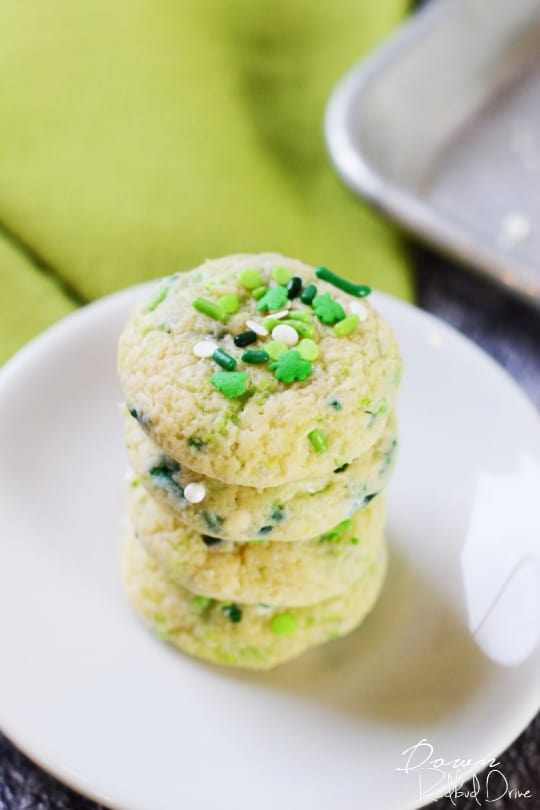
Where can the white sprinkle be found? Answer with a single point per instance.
(515, 228)
(279, 315)
(195, 493)
(204, 348)
(285, 334)
(358, 308)
(258, 328)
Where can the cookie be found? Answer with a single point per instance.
(288, 512)
(311, 395)
(261, 571)
(250, 636)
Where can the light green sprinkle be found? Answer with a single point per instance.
(318, 441)
(300, 315)
(284, 624)
(270, 323)
(229, 304)
(305, 330)
(355, 541)
(275, 348)
(134, 482)
(282, 275)
(308, 349)
(232, 384)
(160, 296)
(364, 402)
(250, 279)
(258, 292)
(209, 308)
(346, 326)
(202, 602)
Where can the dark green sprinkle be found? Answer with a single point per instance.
(278, 514)
(307, 295)
(370, 497)
(358, 290)
(162, 476)
(195, 443)
(255, 356)
(209, 308)
(245, 338)
(342, 468)
(213, 522)
(265, 530)
(224, 360)
(336, 405)
(293, 287)
(233, 612)
(143, 420)
(208, 540)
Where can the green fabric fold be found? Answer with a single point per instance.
(140, 138)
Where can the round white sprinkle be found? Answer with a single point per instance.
(195, 493)
(204, 348)
(285, 334)
(258, 328)
(279, 315)
(358, 308)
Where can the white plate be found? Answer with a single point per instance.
(450, 655)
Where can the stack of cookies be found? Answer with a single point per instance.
(260, 429)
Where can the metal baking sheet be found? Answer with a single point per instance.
(440, 128)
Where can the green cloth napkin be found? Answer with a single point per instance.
(140, 137)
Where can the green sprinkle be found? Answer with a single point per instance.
(282, 275)
(231, 383)
(358, 290)
(284, 624)
(305, 330)
(327, 310)
(364, 402)
(300, 315)
(258, 292)
(275, 348)
(202, 602)
(274, 298)
(346, 326)
(224, 359)
(291, 366)
(255, 356)
(318, 441)
(209, 308)
(195, 443)
(355, 541)
(270, 323)
(233, 612)
(160, 296)
(134, 482)
(229, 304)
(308, 349)
(250, 279)
(307, 296)
(335, 534)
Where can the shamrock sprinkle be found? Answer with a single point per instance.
(231, 383)
(291, 366)
(327, 310)
(274, 298)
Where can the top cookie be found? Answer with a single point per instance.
(220, 389)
